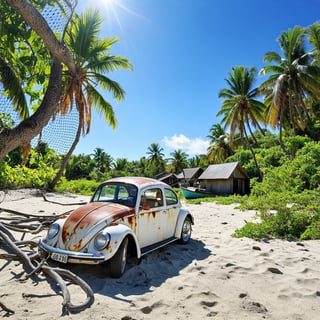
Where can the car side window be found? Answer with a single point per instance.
(106, 193)
(122, 192)
(151, 198)
(171, 197)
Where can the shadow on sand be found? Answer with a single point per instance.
(153, 270)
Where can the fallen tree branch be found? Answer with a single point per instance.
(33, 215)
(56, 274)
(61, 203)
(7, 310)
(33, 266)
(15, 249)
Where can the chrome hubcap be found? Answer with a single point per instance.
(186, 230)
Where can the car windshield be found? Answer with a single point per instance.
(122, 193)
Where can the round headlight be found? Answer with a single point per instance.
(53, 230)
(101, 241)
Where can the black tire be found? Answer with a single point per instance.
(118, 262)
(186, 231)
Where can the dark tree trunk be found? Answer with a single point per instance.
(36, 21)
(32, 126)
(253, 155)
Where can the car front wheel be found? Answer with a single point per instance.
(186, 231)
(119, 261)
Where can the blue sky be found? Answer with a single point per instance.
(182, 50)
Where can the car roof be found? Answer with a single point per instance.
(138, 181)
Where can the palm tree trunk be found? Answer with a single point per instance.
(293, 126)
(32, 126)
(65, 160)
(253, 155)
(251, 133)
(280, 132)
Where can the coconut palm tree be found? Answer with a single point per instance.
(178, 160)
(93, 62)
(219, 148)
(155, 159)
(240, 109)
(292, 77)
(103, 161)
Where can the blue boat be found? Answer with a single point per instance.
(195, 193)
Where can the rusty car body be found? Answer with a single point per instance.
(125, 216)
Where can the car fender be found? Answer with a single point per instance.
(183, 213)
(118, 233)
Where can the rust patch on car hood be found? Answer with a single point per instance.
(83, 223)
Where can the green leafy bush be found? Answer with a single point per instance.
(24, 177)
(312, 232)
(257, 231)
(284, 215)
(82, 186)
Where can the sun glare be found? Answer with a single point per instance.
(113, 9)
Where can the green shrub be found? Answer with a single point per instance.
(24, 177)
(294, 143)
(288, 224)
(82, 186)
(312, 232)
(253, 230)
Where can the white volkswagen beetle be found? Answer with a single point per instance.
(126, 216)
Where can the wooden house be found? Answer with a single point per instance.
(190, 176)
(169, 178)
(226, 178)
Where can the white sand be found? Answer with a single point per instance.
(214, 276)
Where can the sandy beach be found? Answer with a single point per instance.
(214, 276)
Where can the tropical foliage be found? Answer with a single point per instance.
(93, 63)
(283, 164)
(292, 77)
(241, 110)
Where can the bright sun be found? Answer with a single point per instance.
(115, 10)
(116, 5)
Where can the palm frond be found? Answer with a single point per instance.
(13, 88)
(103, 107)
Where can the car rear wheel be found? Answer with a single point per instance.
(119, 261)
(186, 231)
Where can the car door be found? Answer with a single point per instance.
(151, 217)
(172, 206)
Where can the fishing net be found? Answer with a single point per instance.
(59, 133)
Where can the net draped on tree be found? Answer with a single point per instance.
(60, 132)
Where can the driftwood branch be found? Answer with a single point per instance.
(7, 310)
(32, 263)
(61, 203)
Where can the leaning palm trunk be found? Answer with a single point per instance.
(65, 159)
(32, 126)
(280, 132)
(253, 154)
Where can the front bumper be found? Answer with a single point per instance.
(66, 256)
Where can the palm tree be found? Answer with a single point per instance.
(240, 109)
(194, 162)
(103, 160)
(198, 161)
(179, 160)
(120, 164)
(92, 62)
(219, 148)
(292, 78)
(155, 159)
